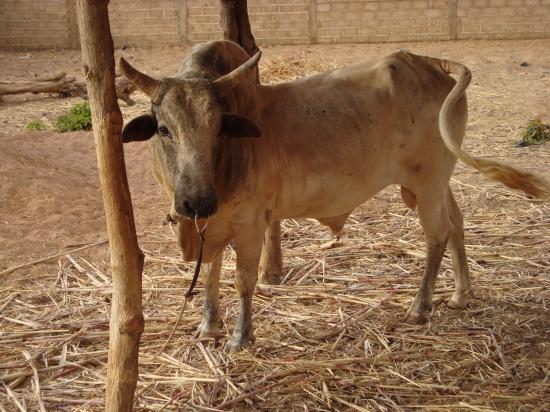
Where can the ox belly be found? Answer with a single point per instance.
(324, 195)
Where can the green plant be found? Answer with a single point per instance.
(79, 118)
(536, 132)
(36, 125)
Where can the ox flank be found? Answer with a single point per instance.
(243, 155)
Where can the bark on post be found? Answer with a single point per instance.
(236, 26)
(126, 258)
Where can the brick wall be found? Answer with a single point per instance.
(144, 22)
(33, 23)
(508, 19)
(52, 23)
(203, 20)
(272, 21)
(381, 21)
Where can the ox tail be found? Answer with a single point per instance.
(509, 176)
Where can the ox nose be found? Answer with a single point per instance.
(201, 206)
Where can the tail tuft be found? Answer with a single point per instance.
(513, 178)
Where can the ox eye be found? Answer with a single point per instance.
(164, 132)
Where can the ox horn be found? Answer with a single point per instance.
(148, 85)
(228, 82)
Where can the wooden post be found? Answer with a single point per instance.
(236, 26)
(182, 21)
(452, 16)
(72, 25)
(126, 258)
(312, 22)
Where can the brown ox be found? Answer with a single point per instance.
(328, 143)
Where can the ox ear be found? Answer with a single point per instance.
(237, 126)
(139, 129)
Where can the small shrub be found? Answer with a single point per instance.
(536, 132)
(79, 118)
(36, 125)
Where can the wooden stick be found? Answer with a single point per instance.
(11, 395)
(259, 390)
(127, 321)
(36, 381)
(46, 258)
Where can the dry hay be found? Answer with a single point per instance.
(286, 68)
(330, 338)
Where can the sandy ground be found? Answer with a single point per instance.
(50, 198)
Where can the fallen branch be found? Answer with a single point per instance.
(48, 84)
(64, 85)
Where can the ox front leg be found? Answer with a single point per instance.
(248, 248)
(437, 227)
(210, 324)
(271, 262)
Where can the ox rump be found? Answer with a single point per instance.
(243, 155)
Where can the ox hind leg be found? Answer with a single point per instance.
(458, 254)
(248, 246)
(271, 262)
(209, 326)
(435, 220)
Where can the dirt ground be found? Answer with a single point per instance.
(39, 216)
(50, 199)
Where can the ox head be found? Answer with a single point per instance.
(188, 117)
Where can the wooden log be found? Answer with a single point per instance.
(36, 86)
(127, 321)
(64, 85)
(47, 77)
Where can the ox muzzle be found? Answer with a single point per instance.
(201, 206)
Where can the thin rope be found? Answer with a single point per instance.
(189, 295)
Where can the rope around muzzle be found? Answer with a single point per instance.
(189, 295)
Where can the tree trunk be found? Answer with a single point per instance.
(126, 258)
(236, 26)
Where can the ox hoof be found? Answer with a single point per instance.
(416, 315)
(331, 244)
(237, 343)
(208, 331)
(457, 301)
(270, 278)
